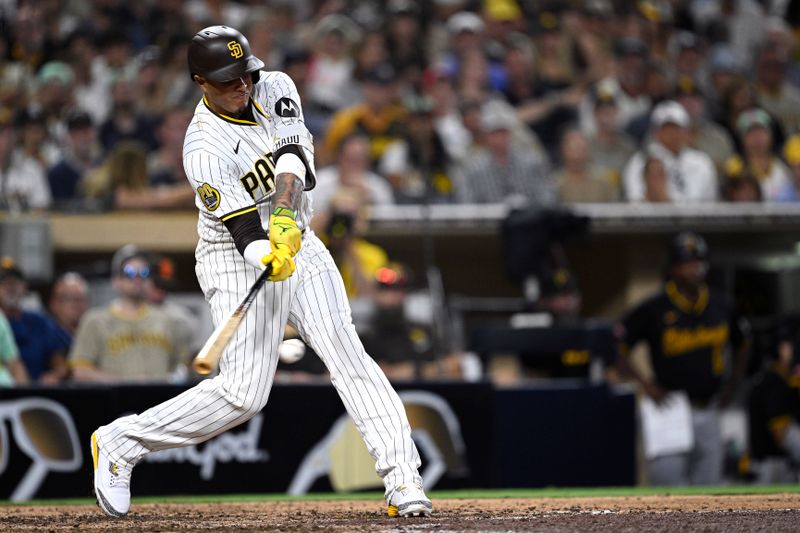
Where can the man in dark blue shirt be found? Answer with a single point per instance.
(81, 154)
(40, 346)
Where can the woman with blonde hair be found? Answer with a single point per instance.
(123, 182)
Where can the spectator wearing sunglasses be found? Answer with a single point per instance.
(128, 340)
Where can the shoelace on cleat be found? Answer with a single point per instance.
(119, 476)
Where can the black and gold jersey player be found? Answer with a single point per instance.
(696, 345)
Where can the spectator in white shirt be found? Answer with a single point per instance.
(23, 182)
(691, 176)
(352, 169)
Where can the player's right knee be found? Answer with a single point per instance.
(240, 401)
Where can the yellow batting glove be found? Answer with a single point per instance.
(282, 264)
(283, 231)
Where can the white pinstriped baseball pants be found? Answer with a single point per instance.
(315, 302)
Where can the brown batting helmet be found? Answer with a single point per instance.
(220, 53)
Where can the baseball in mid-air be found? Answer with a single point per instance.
(291, 351)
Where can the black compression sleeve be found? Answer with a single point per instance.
(245, 229)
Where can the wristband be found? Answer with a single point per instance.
(290, 163)
(255, 251)
(283, 212)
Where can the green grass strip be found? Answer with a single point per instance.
(548, 492)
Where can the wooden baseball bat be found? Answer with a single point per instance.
(208, 357)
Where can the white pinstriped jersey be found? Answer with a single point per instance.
(229, 161)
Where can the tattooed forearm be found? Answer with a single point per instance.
(288, 189)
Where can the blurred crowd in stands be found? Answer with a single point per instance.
(452, 100)
(528, 102)
(139, 336)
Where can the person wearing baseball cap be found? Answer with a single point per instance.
(724, 71)
(40, 347)
(627, 84)
(776, 94)
(401, 346)
(691, 173)
(505, 171)
(418, 164)
(405, 347)
(631, 56)
(558, 303)
(465, 22)
(559, 294)
(380, 116)
(404, 39)
(12, 369)
(80, 154)
(774, 408)
(688, 328)
(704, 134)
(164, 276)
(330, 83)
(754, 130)
(468, 44)
(687, 50)
(609, 147)
(129, 339)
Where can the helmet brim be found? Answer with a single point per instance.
(236, 70)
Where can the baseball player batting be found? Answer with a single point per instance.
(249, 156)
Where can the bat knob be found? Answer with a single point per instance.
(202, 367)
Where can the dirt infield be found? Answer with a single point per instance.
(773, 513)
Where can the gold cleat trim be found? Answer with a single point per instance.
(94, 449)
(392, 510)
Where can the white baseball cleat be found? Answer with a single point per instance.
(409, 500)
(112, 483)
